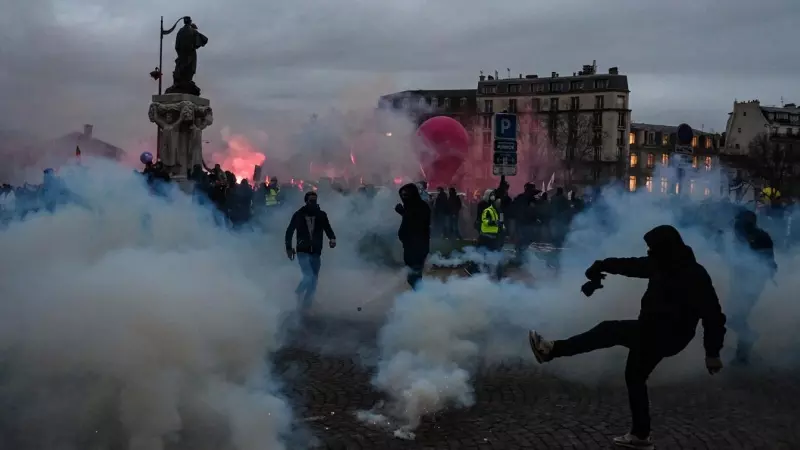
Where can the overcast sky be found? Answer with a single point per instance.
(68, 62)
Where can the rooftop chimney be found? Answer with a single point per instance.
(482, 77)
(790, 105)
(613, 71)
(552, 74)
(87, 131)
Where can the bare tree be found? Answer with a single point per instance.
(770, 160)
(578, 142)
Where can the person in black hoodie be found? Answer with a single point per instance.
(751, 269)
(679, 294)
(309, 222)
(414, 232)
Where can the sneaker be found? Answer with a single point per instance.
(631, 441)
(541, 348)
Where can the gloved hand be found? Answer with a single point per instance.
(399, 209)
(332, 243)
(713, 365)
(595, 272)
(290, 253)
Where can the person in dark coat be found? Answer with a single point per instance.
(454, 214)
(309, 222)
(752, 267)
(414, 232)
(679, 294)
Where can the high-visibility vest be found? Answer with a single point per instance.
(490, 221)
(271, 198)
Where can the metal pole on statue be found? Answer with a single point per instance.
(158, 73)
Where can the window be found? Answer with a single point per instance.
(447, 103)
(620, 138)
(597, 139)
(599, 102)
(462, 102)
(709, 142)
(650, 137)
(487, 138)
(744, 113)
(435, 102)
(651, 160)
(632, 183)
(406, 103)
(789, 132)
(423, 103)
(694, 162)
(634, 160)
(621, 119)
(488, 106)
(738, 130)
(795, 118)
(553, 104)
(631, 138)
(512, 105)
(649, 183)
(708, 163)
(576, 85)
(574, 103)
(514, 89)
(694, 142)
(621, 101)
(664, 185)
(665, 140)
(536, 104)
(487, 122)
(600, 84)
(555, 87)
(490, 89)
(771, 117)
(597, 119)
(665, 159)
(538, 87)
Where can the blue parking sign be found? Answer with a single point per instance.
(505, 126)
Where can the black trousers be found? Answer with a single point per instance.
(647, 345)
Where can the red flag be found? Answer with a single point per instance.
(78, 151)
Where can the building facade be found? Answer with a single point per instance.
(651, 150)
(573, 128)
(749, 119)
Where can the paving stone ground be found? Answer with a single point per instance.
(519, 407)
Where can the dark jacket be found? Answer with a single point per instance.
(308, 242)
(415, 227)
(680, 292)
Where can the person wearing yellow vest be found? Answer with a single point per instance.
(272, 195)
(490, 239)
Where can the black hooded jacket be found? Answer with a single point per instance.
(309, 241)
(680, 292)
(415, 228)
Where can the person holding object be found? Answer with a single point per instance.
(679, 294)
(309, 222)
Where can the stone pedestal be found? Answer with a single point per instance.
(181, 119)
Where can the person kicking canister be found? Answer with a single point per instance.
(679, 294)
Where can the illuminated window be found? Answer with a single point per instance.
(694, 142)
(709, 141)
(708, 163)
(634, 159)
(632, 183)
(665, 159)
(665, 140)
(707, 192)
(649, 183)
(691, 186)
(694, 162)
(664, 185)
(632, 138)
(651, 160)
(677, 188)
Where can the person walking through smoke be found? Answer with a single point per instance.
(309, 222)
(414, 232)
(752, 266)
(679, 294)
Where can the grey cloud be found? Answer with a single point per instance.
(67, 62)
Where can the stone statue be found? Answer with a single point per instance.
(187, 41)
(181, 124)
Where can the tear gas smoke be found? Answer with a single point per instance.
(128, 317)
(437, 336)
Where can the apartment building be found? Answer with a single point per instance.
(652, 147)
(749, 119)
(580, 121)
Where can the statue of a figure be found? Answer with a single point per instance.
(187, 41)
